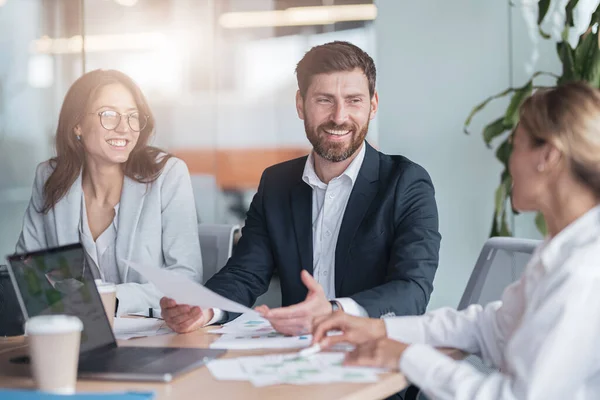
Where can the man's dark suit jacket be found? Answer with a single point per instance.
(387, 249)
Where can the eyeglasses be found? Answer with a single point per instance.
(110, 119)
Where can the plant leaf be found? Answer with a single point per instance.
(569, 12)
(503, 152)
(512, 112)
(540, 223)
(584, 52)
(502, 193)
(492, 130)
(504, 230)
(481, 105)
(543, 34)
(595, 17)
(589, 59)
(543, 6)
(565, 53)
(592, 75)
(499, 199)
(584, 48)
(494, 231)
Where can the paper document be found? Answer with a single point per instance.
(127, 328)
(246, 324)
(227, 369)
(272, 340)
(185, 291)
(279, 369)
(249, 331)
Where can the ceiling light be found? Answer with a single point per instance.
(127, 3)
(297, 16)
(98, 43)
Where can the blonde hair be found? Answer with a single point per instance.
(568, 117)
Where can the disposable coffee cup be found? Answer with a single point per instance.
(54, 351)
(108, 294)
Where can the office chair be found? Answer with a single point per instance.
(501, 262)
(216, 245)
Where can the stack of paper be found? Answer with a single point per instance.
(266, 341)
(279, 369)
(251, 332)
(127, 328)
(246, 324)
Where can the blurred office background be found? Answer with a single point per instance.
(219, 75)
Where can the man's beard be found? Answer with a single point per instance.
(332, 151)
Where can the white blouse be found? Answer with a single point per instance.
(544, 336)
(100, 254)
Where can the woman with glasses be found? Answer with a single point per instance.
(123, 200)
(543, 336)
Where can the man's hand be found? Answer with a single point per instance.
(298, 319)
(183, 318)
(382, 353)
(355, 330)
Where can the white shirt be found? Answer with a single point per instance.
(544, 335)
(328, 205)
(100, 254)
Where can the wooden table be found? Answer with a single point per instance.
(200, 383)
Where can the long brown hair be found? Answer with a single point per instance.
(144, 164)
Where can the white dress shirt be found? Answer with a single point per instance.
(101, 253)
(328, 205)
(544, 335)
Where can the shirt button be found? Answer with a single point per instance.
(327, 233)
(332, 196)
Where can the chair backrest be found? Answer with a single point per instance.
(216, 244)
(206, 196)
(501, 262)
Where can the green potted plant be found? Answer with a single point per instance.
(580, 61)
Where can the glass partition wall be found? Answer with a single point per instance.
(219, 76)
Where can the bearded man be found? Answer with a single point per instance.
(346, 227)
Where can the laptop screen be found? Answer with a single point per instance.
(57, 281)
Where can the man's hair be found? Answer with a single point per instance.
(334, 57)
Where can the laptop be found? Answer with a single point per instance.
(58, 281)
(11, 318)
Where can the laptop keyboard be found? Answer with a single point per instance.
(124, 359)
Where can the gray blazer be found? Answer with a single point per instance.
(157, 226)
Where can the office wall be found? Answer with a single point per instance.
(436, 60)
(26, 117)
(211, 89)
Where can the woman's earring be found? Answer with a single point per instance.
(78, 137)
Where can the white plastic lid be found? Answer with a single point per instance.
(52, 324)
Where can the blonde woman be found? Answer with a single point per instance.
(544, 334)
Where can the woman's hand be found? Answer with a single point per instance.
(382, 353)
(355, 330)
